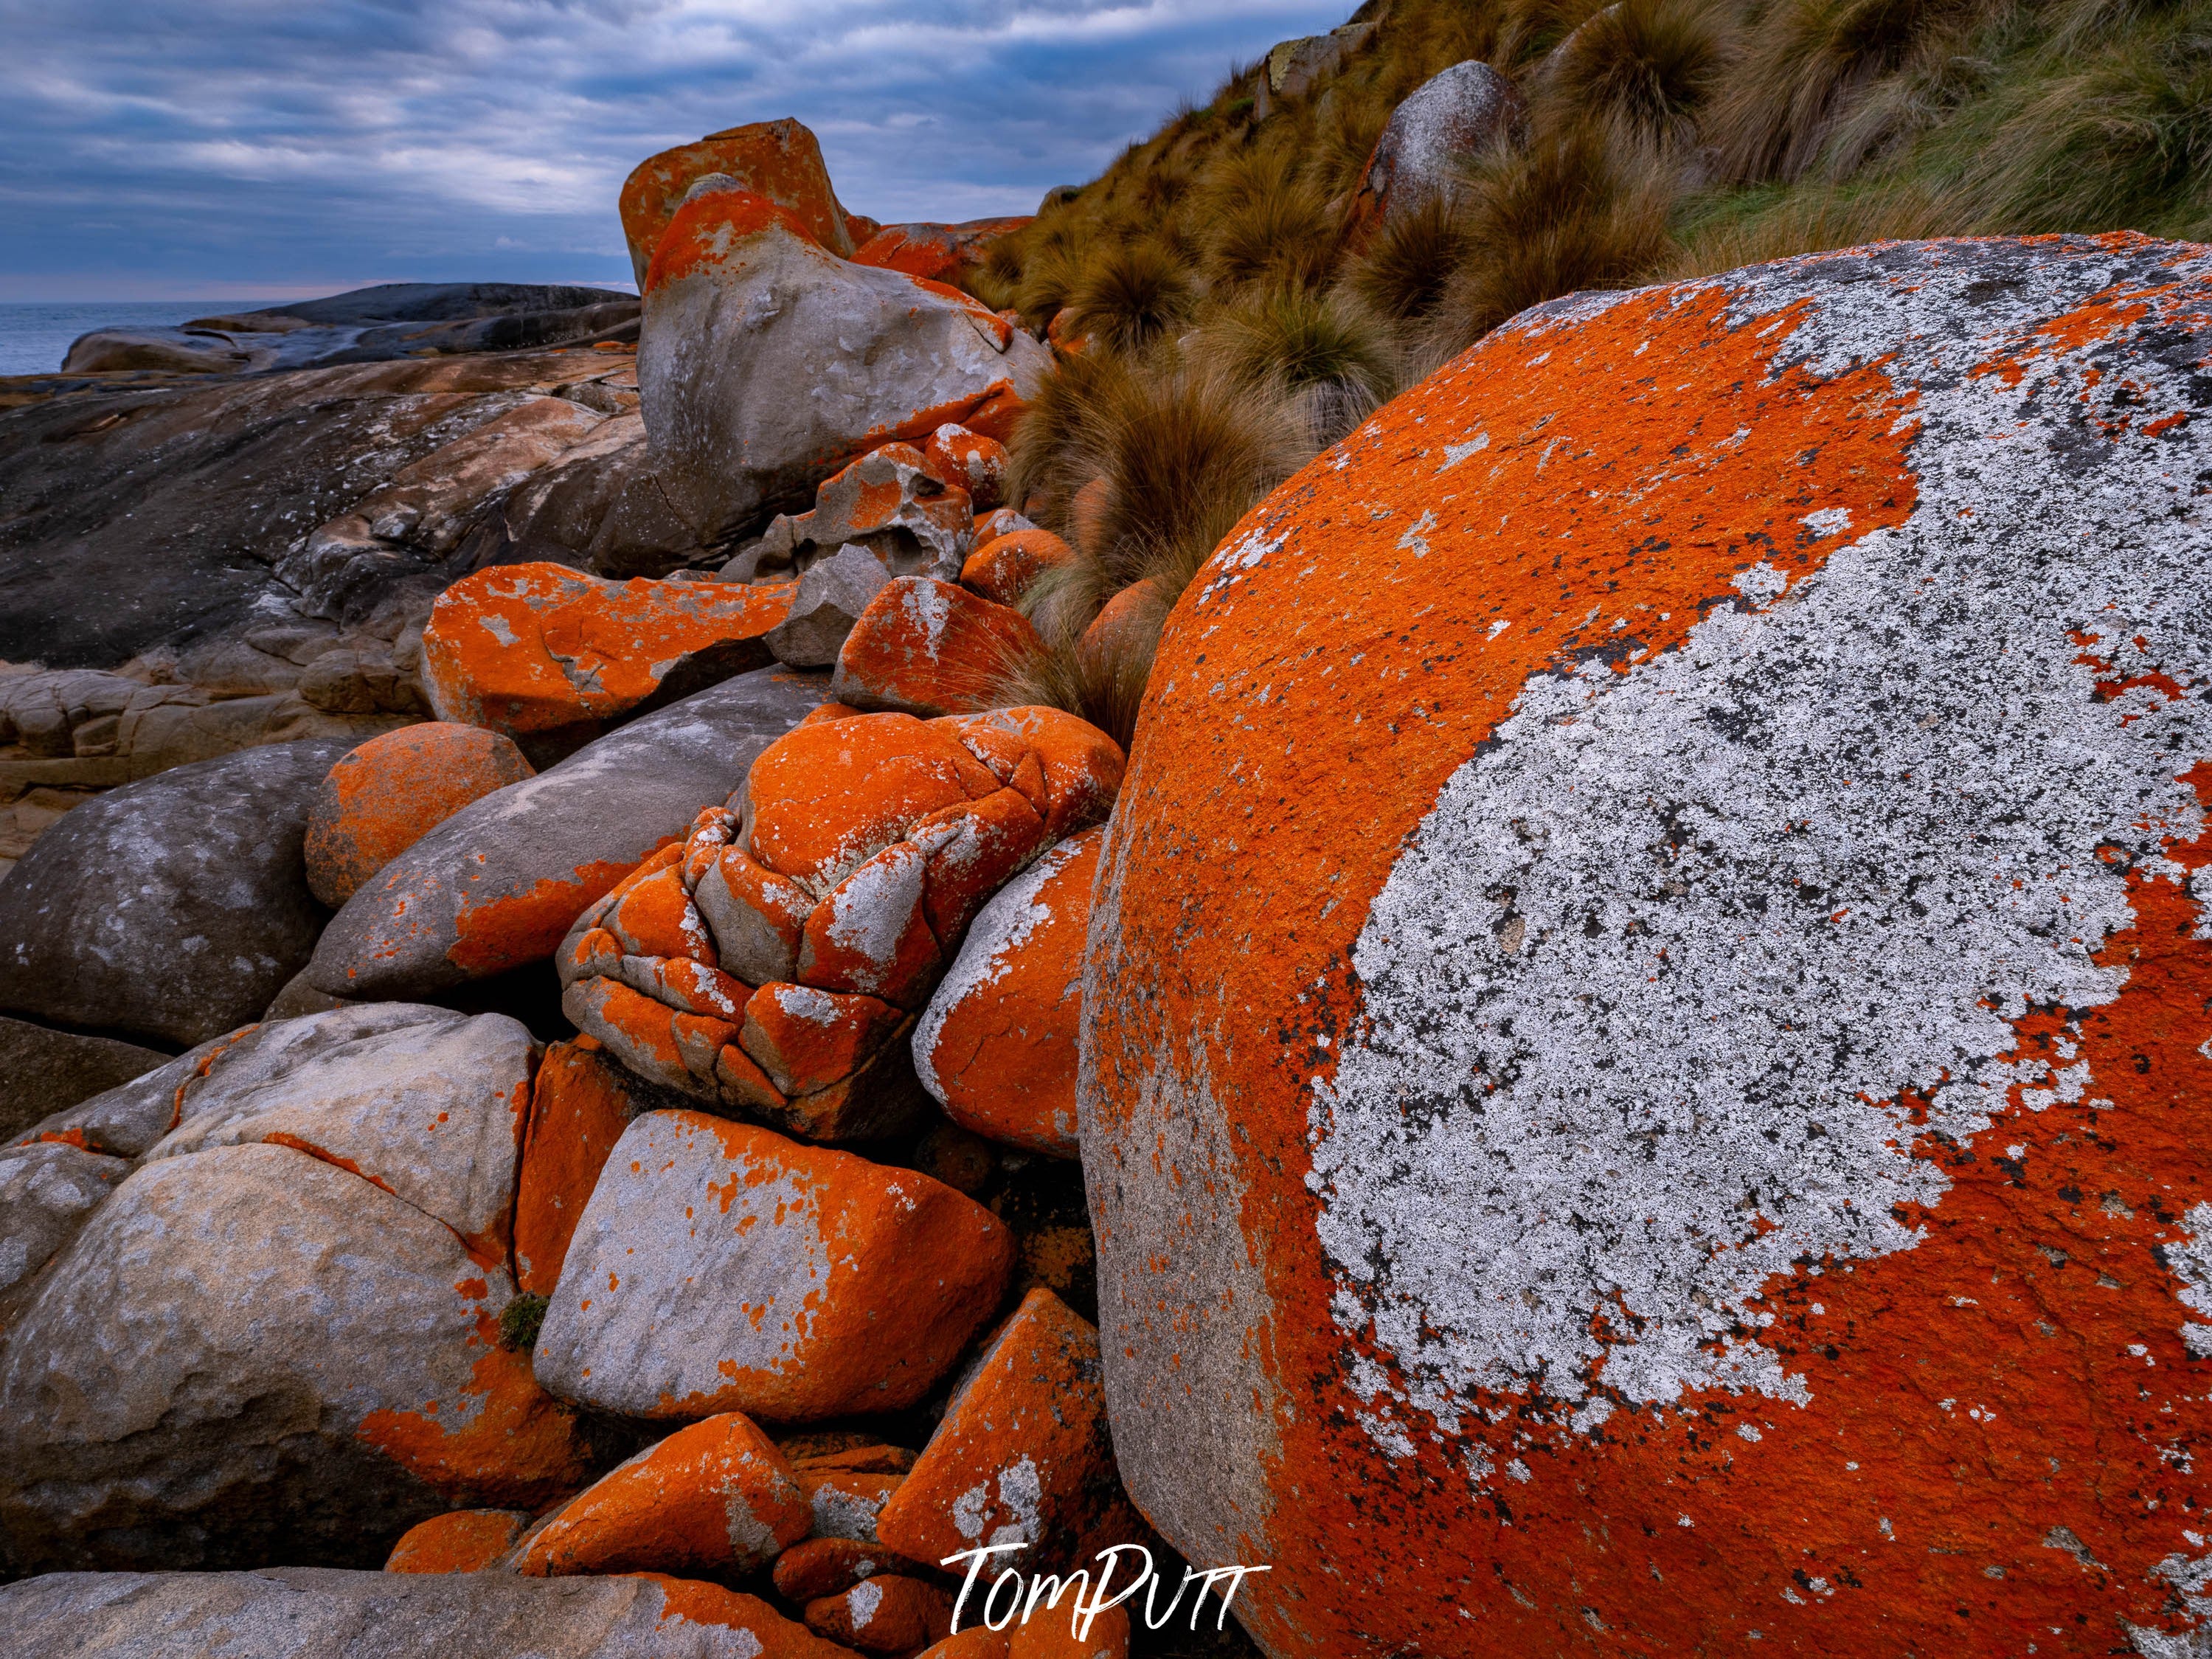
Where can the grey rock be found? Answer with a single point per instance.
(1443, 123)
(155, 516)
(831, 596)
(470, 899)
(312, 1612)
(370, 324)
(250, 1354)
(875, 350)
(46, 1193)
(125, 1120)
(425, 1103)
(172, 909)
(43, 1072)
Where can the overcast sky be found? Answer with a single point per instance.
(266, 149)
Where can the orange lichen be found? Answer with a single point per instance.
(937, 251)
(540, 650)
(579, 1106)
(1000, 1052)
(464, 1541)
(930, 646)
(511, 929)
(715, 1496)
(1003, 567)
(778, 159)
(507, 1441)
(381, 799)
(1025, 1447)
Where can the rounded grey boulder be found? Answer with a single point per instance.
(172, 909)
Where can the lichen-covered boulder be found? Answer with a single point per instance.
(855, 1287)
(996, 1046)
(825, 1566)
(314, 1613)
(888, 1614)
(496, 885)
(251, 1353)
(43, 1071)
(910, 509)
(1443, 125)
(739, 297)
(552, 657)
(170, 909)
(1646, 1029)
(426, 1104)
(382, 798)
(926, 646)
(715, 1498)
(1002, 567)
(780, 161)
(1022, 1455)
(774, 964)
(968, 461)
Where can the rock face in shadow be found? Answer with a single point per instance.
(43, 1072)
(172, 909)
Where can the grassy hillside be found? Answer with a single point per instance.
(1236, 325)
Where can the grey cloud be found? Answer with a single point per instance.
(160, 146)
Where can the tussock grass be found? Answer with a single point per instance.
(1242, 317)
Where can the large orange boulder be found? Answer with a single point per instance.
(741, 306)
(775, 962)
(1022, 1455)
(1646, 1028)
(716, 1498)
(997, 1045)
(551, 657)
(381, 799)
(721, 1267)
(496, 886)
(932, 647)
(936, 250)
(780, 161)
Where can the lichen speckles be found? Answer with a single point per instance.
(1777, 900)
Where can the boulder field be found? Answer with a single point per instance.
(1645, 1018)
(1617, 1066)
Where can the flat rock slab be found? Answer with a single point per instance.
(496, 885)
(310, 1612)
(43, 1071)
(170, 909)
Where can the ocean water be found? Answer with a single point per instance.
(35, 336)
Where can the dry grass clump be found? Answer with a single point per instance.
(1652, 65)
(1130, 293)
(1580, 209)
(1242, 314)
